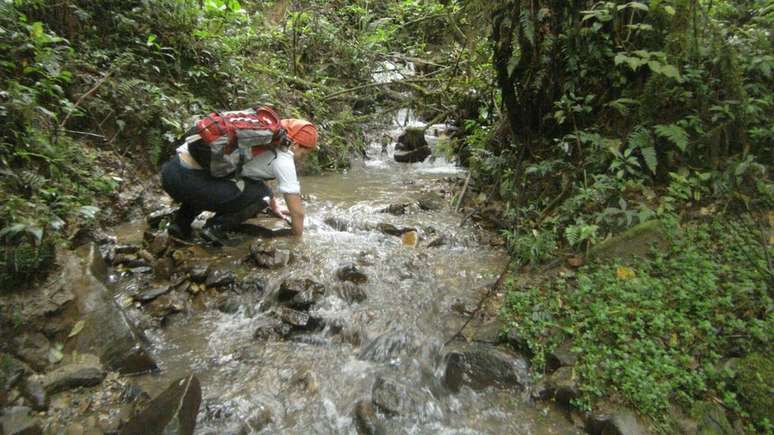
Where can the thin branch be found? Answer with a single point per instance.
(492, 290)
(83, 97)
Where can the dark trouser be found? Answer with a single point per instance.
(197, 191)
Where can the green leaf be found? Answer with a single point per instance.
(77, 328)
(88, 211)
(650, 157)
(675, 134)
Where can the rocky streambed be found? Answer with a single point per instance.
(343, 332)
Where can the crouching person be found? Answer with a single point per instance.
(242, 195)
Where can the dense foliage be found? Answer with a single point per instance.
(648, 332)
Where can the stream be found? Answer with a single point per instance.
(313, 382)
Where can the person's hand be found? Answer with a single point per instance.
(281, 213)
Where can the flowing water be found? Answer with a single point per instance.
(311, 384)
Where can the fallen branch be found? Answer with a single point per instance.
(492, 290)
(464, 190)
(83, 97)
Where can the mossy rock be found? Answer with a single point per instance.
(755, 385)
(711, 419)
(634, 242)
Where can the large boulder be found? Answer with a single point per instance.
(634, 242)
(412, 146)
(173, 412)
(268, 256)
(106, 332)
(480, 366)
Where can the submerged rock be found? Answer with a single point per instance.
(270, 328)
(367, 420)
(392, 230)
(298, 320)
(352, 274)
(173, 412)
(480, 366)
(300, 294)
(350, 292)
(395, 398)
(199, 272)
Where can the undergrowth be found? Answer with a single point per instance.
(660, 330)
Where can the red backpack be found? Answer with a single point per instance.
(221, 142)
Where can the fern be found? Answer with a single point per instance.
(528, 28)
(675, 134)
(641, 139)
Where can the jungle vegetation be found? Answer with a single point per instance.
(578, 119)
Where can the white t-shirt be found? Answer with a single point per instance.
(266, 166)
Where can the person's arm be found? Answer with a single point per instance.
(296, 208)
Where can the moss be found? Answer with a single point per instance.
(755, 385)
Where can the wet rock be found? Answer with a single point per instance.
(412, 146)
(86, 372)
(337, 224)
(159, 244)
(12, 371)
(228, 305)
(151, 294)
(199, 273)
(480, 366)
(126, 249)
(107, 332)
(300, 294)
(395, 398)
(269, 257)
(130, 260)
(253, 283)
(33, 348)
(621, 422)
(431, 202)
(438, 242)
(35, 394)
(155, 218)
(562, 356)
(269, 329)
(563, 385)
(395, 209)
(392, 230)
(164, 268)
(367, 420)
(220, 278)
(141, 270)
(351, 292)
(352, 274)
(17, 421)
(172, 412)
(299, 320)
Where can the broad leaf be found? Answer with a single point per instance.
(675, 134)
